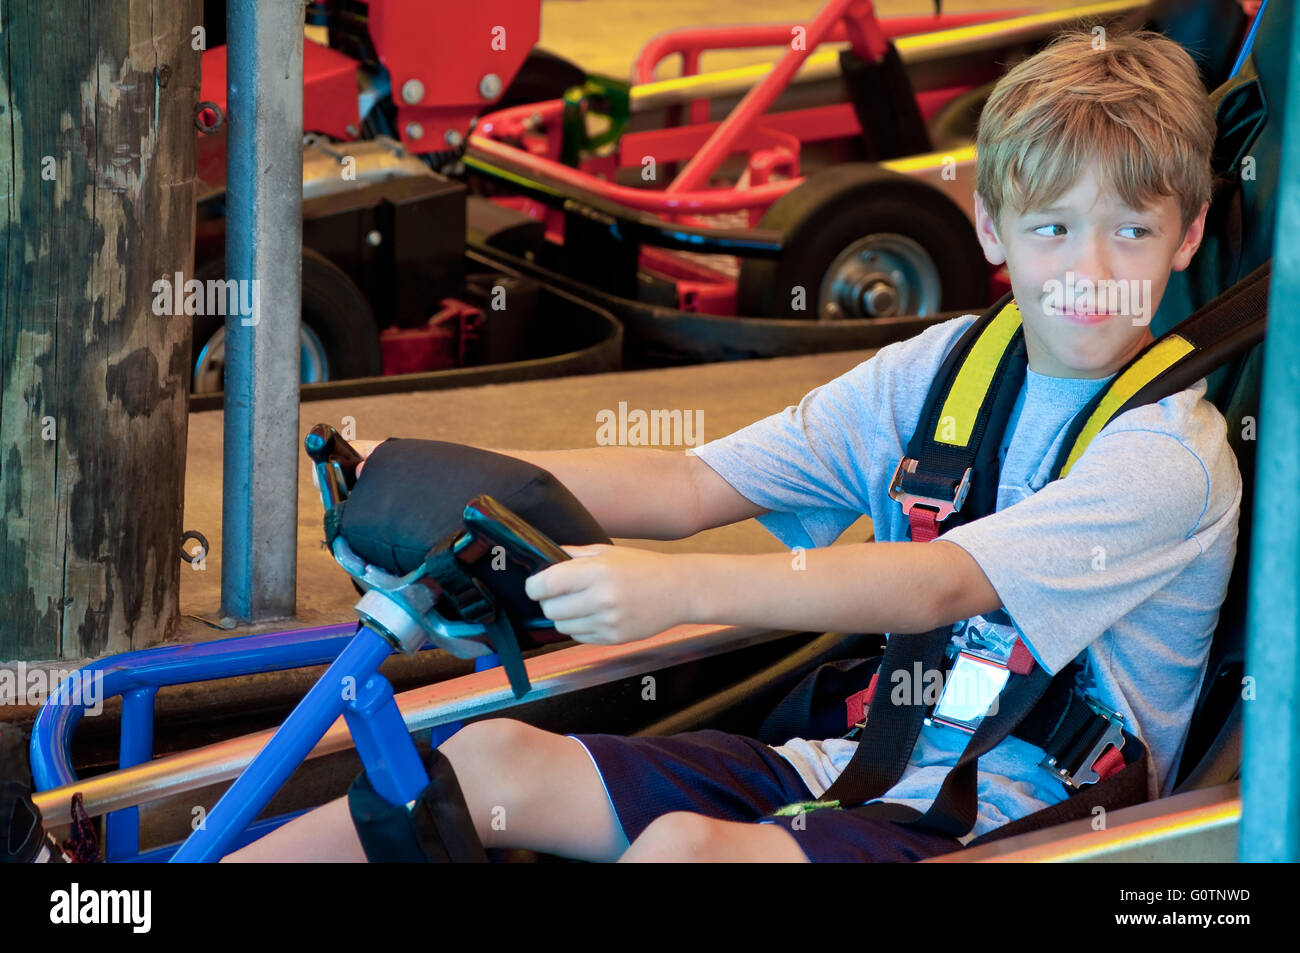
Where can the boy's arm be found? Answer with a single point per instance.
(861, 587)
(644, 493)
(614, 594)
(637, 492)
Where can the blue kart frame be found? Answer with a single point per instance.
(396, 613)
(354, 654)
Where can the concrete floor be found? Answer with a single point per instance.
(528, 415)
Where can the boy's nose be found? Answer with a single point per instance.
(1093, 264)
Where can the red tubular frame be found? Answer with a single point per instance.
(859, 20)
(707, 144)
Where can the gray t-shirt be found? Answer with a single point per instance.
(1126, 560)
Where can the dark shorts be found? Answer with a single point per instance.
(734, 778)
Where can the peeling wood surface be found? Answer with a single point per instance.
(97, 170)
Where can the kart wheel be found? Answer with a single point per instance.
(543, 76)
(864, 242)
(957, 122)
(339, 337)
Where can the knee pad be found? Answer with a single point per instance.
(435, 829)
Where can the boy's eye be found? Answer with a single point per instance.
(1039, 231)
(1137, 228)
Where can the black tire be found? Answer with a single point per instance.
(836, 208)
(541, 77)
(958, 121)
(333, 309)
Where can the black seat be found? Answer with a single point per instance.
(1210, 30)
(1212, 753)
(1237, 241)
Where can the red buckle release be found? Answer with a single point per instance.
(925, 524)
(1022, 660)
(1110, 762)
(858, 704)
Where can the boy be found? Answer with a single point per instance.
(1094, 166)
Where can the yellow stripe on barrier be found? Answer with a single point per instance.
(962, 405)
(754, 72)
(1151, 365)
(930, 160)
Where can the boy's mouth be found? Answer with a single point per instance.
(1078, 316)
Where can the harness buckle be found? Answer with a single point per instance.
(971, 690)
(943, 507)
(853, 732)
(1112, 736)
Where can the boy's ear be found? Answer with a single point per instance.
(1191, 241)
(986, 230)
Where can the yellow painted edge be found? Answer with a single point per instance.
(962, 405)
(1199, 820)
(757, 70)
(973, 30)
(1165, 353)
(930, 160)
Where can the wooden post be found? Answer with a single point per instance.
(97, 167)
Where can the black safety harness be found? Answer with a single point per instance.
(950, 476)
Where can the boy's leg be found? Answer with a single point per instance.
(524, 787)
(683, 837)
(821, 836)
(698, 795)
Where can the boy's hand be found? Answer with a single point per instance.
(608, 595)
(365, 448)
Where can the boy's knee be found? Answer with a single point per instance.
(494, 736)
(677, 836)
(490, 754)
(686, 837)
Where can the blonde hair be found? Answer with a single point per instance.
(1133, 103)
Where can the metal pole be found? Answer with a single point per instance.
(264, 254)
(1270, 825)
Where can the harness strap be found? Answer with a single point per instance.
(1125, 787)
(1049, 712)
(1229, 326)
(951, 468)
(891, 730)
(924, 523)
(954, 809)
